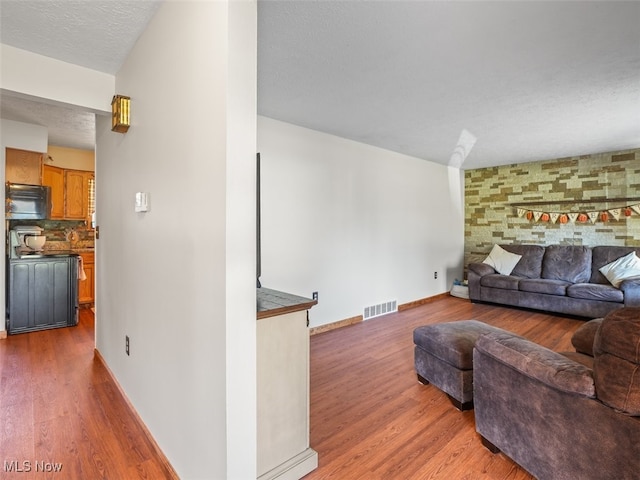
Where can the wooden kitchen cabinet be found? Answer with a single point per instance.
(69, 192)
(22, 166)
(86, 288)
(76, 187)
(54, 178)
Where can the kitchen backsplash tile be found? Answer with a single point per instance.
(62, 234)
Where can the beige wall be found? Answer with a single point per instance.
(71, 158)
(576, 184)
(179, 280)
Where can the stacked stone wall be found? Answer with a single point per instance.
(586, 184)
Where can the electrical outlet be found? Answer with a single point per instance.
(126, 344)
(314, 295)
(435, 275)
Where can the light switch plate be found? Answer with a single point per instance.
(142, 202)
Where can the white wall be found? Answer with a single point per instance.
(359, 224)
(179, 280)
(34, 75)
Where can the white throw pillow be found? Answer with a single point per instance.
(621, 269)
(504, 262)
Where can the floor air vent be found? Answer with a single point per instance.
(380, 309)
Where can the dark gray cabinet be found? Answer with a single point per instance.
(42, 293)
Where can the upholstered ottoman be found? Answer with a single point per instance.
(444, 356)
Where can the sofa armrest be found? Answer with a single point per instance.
(582, 339)
(481, 269)
(538, 362)
(631, 290)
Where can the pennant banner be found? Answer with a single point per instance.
(615, 213)
(606, 215)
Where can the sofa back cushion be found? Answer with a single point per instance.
(571, 263)
(616, 365)
(605, 255)
(530, 265)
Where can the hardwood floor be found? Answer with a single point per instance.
(370, 418)
(60, 407)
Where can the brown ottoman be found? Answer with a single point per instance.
(444, 356)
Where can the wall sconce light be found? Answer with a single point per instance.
(120, 109)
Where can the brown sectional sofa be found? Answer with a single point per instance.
(557, 278)
(564, 416)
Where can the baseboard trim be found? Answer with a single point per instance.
(332, 326)
(155, 446)
(422, 301)
(294, 468)
(3, 334)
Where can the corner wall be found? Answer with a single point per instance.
(179, 280)
(492, 196)
(356, 223)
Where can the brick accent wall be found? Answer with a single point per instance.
(576, 184)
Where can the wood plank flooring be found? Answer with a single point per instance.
(60, 407)
(371, 419)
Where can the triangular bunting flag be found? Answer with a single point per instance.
(593, 216)
(573, 217)
(615, 213)
(521, 212)
(554, 217)
(636, 208)
(537, 215)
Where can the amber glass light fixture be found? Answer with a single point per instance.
(120, 109)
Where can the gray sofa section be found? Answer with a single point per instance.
(559, 418)
(557, 278)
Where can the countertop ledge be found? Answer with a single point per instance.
(273, 302)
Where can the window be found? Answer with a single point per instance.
(92, 201)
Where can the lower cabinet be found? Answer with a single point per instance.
(283, 450)
(42, 293)
(86, 287)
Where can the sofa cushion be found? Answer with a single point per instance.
(530, 265)
(452, 342)
(495, 280)
(603, 255)
(570, 263)
(624, 268)
(503, 261)
(594, 291)
(616, 366)
(546, 286)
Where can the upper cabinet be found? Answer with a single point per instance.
(54, 178)
(71, 193)
(23, 166)
(76, 184)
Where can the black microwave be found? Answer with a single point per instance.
(27, 202)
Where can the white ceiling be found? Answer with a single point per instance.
(469, 84)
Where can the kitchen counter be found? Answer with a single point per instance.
(273, 302)
(25, 255)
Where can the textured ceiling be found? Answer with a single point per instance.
(468, 84)
(97, 34)
(494, 82)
